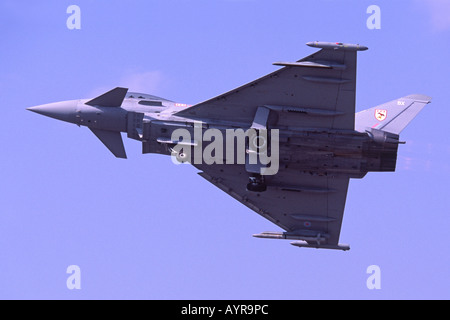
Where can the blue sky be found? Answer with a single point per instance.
(145, 228)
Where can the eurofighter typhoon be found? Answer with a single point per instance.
(284, 145)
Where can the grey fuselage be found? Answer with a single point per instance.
(320, 151)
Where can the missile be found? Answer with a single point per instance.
(271, 235)
(336, 46)
(304, 244)
(292, 236)
(306, 241)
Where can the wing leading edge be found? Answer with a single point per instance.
(324, 83)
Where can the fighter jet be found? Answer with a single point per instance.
(295, 139)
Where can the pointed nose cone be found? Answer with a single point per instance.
(65, 111)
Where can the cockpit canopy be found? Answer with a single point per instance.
(149, 100)
(143, 96)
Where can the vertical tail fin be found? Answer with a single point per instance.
(392, 116)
